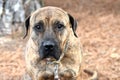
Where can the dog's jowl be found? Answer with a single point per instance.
(53, 50)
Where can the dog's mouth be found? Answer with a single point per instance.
(49, 59)
(50, 55)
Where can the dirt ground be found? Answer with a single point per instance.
(99, 33)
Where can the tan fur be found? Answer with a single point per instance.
(36, 68)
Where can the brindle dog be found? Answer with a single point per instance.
(53, 50)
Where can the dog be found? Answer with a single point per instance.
(53, 50)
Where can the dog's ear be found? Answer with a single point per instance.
(27, 25)
(73, 24)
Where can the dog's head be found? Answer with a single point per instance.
(49, 28)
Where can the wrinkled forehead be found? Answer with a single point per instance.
(50, 14)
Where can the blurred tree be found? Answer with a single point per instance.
(13, 13)
(30, 6)
(41, 2)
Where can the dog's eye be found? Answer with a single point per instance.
(38, 28)
(60, 26)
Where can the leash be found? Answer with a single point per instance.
(56, 67)
(57, 63)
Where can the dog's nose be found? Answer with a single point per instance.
(48, 45)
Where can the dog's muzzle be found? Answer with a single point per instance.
(48, 49)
